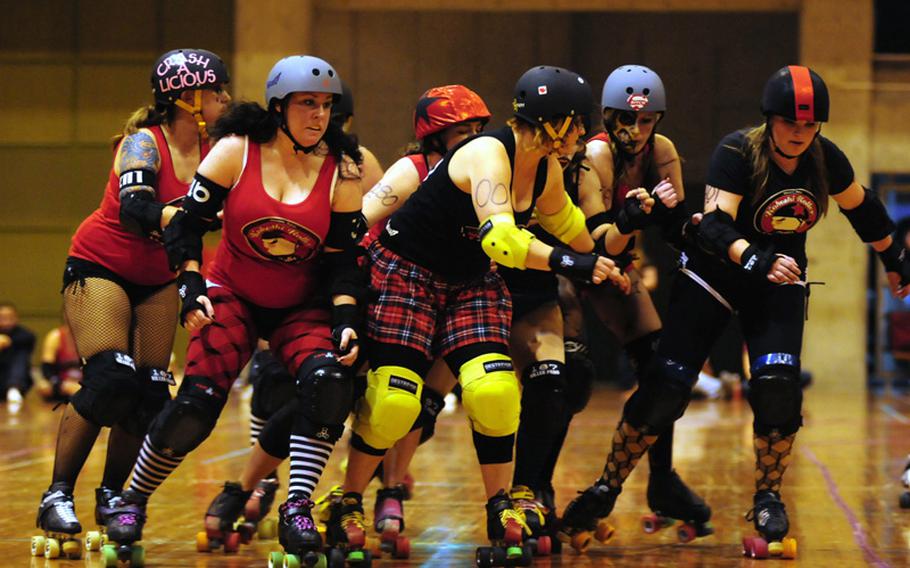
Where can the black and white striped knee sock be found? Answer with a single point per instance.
(256, 426)
(152, 468)
(308, 459)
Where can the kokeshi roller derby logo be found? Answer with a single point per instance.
(274, 238)
(787, 211)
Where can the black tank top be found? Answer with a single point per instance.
(437, 227)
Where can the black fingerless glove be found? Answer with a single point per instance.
(757, 262)
(571, 264)
(345, 316)
(895, 259)
(190, 285)
(631, 216)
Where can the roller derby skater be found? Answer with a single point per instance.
(57, 518)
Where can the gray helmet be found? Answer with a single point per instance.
(301, 73)
(634, 88)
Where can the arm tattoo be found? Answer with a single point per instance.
(384, 194)
(500, 195)
(711, 194)
(486, 193)
(139, 153)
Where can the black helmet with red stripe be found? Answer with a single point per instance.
(796, 92)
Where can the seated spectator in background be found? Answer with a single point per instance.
(61, 367)
(16, 346)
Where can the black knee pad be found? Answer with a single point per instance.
(580, 373)
(493, 449)
(111, 388)
(188, 420)
(155, 395)
(641, 351)
(276, 434)
(543, 397)
(662, 396)
(273, 385)
(325, 389)
(775, 394)
(431, 404)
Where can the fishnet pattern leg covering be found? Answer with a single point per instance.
(75, 439)
(628, 446)
(154, 327)
(772, 456)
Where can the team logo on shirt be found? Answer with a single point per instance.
(787, 211)
(274, 238)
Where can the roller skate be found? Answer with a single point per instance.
(323, 507)
(535, 515)
(222, 525)
(506, 528)
(124, 528)
(770, 518)
(346, 534)
(57, 518)
(388, 515)
(258, 506)
(905, 479)
(671, 500)
(586, 516)
(106, 499)
(298, 535)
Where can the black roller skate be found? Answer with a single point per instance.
(536, 516)
(905, 479)
(388, 519)
(586, 516)
(770, 518)
(298, 535)
(223, 527)
(124, 528)
(506, 529)
(57, 518)
(346, 534)
(671, 500)
(258, 506)
(106, 499)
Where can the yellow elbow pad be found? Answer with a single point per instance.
(504, 242)
(565, 224)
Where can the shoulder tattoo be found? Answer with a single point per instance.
(139, 152)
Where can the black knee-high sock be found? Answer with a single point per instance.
(640, 352)
(549, 466)
(74, 443)
(540, 430)
(660, 456)
(122, 451)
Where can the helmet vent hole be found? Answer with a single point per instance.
(646, 91)
(630, 90)
(316, 72)
(331, 73)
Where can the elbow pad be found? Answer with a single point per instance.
(183, 238)
(504, 242)
(598, 219)
(870, 220)
(140, 214)
(565, 224)
(345, 229)
(716, 233)
(205, 198)
(346, 276)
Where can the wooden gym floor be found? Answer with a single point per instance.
(841, 491)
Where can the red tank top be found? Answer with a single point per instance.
(420, 164)
(269, 250)
(620, 189)
(66, 358)
(102, 240)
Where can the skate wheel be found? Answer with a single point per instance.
(267, 529)
(789, 548)
(775, 548)
(356, 538)
(232, 542)
(513, 533)
(402, 548)
(109, 554)
(581, 541)
(246, 531)
(93, 540)
(314, 560)
(483, 557)
(686, 533)
(72, 549)
(202, 542)
(276, 559)
(336, 558)
(51, 548)
(38, 546)
(373, 546)
(905, 500)
(137, 557)
(291, 561)
(604, 531)
(759, 548)
(544, 546)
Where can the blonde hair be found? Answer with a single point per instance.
(143, 117)
(758, 152)
(539, 139)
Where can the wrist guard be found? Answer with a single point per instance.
(190, 285)
(757, 262)
(631, 217)
(895, 259)
(345, 316)
(571, 264)
(183, 238)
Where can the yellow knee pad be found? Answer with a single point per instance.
(389, 407)
(490, 394)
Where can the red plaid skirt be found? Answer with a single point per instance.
(416, 308)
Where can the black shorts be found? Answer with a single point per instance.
(530, 289)
(78, 269)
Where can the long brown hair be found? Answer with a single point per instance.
(758, 151)
(143, 117)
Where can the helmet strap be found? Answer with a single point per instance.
(196, 111)
(298, 147)
(555, 135)
(774, 145)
